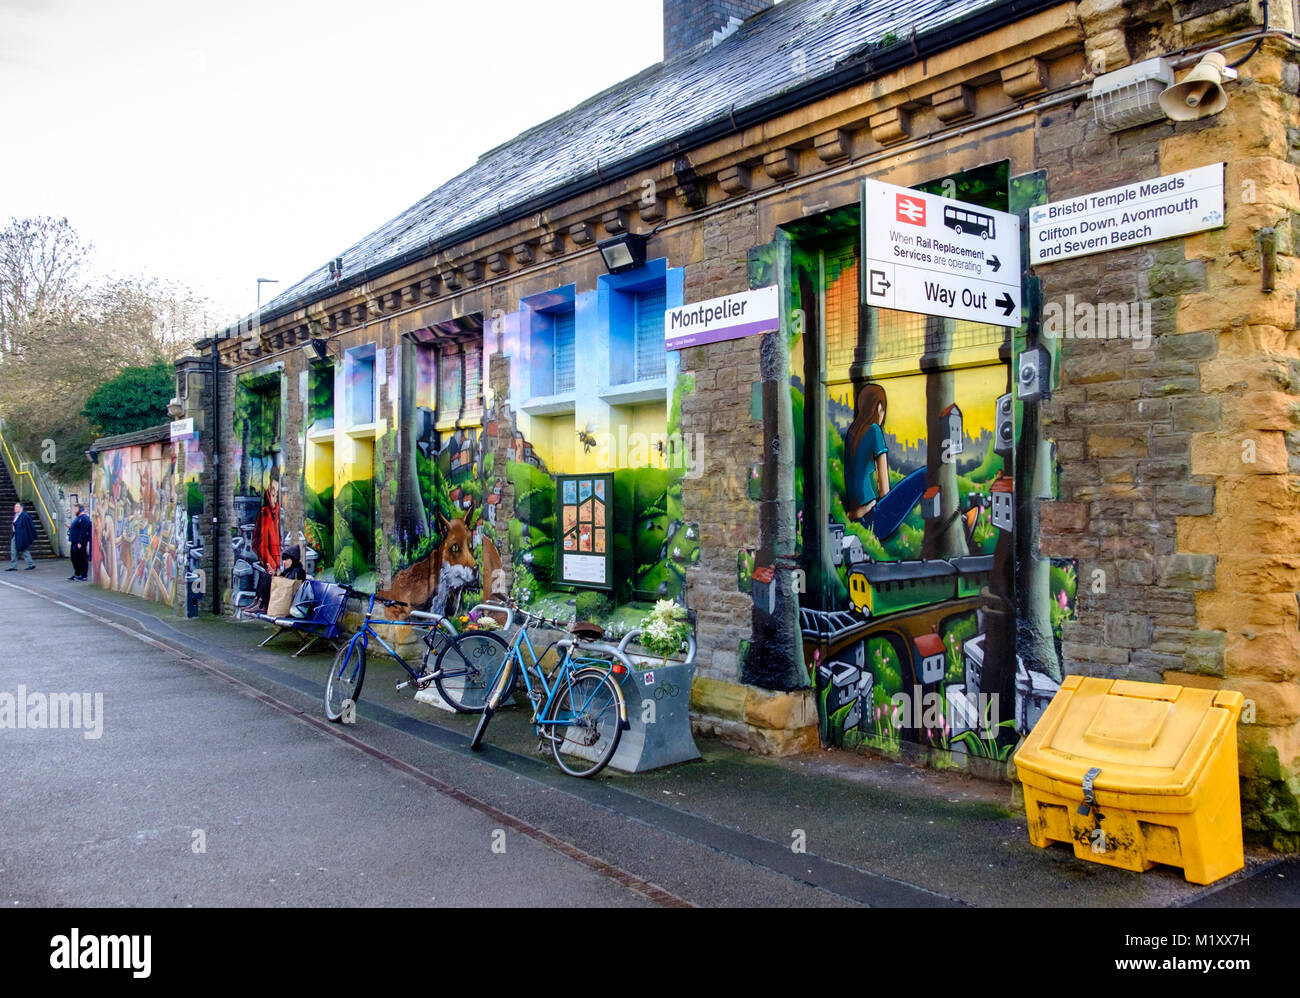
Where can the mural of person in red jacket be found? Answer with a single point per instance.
(266, 535)
(266, 538)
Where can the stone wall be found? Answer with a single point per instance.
(1178, 492)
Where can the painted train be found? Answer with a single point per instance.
(880, 587)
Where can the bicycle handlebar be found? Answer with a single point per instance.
(351, 593)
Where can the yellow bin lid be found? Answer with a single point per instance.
(1146, 738)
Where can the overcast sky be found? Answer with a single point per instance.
(218, 142)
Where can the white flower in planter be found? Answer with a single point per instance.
(664, 629)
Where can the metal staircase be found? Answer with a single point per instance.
(36, 496)
(42, 548)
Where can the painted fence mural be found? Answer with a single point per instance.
(139, 524)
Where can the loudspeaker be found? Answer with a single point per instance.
(1201, 93)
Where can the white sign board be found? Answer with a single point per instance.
(585, 568)
(939, 256)
(727, 318)
(182, 428)
(1145, 212)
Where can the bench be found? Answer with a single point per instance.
(323, 605)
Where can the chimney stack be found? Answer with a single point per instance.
(689, 23)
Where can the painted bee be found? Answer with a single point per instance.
(588, 437)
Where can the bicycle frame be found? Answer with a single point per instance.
(367, 631)
(568, 666)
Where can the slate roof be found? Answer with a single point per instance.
(136, 438)
(775, 52)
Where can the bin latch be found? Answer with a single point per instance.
(1089, 797)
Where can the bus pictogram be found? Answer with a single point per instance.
(973, 223)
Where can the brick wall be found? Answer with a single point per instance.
(719, 410)
(689, 22)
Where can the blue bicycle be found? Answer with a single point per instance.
(579, 709)
(343, 687)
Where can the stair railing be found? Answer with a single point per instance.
(37, 490)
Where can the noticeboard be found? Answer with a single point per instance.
(585, 553)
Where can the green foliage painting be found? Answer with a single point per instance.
(354, 534)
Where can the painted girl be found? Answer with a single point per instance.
(865, 453)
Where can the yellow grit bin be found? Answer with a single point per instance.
(1134, 774)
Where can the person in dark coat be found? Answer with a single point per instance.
(24, 536)
(290, 568)
(291, 564)
(79, 544)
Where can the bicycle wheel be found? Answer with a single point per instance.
(466, 666)
(346, 676)
(592, 703)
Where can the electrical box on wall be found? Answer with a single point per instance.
(1033, 375)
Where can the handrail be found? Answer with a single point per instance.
(636, 631)
(491, 607)
(17, 471)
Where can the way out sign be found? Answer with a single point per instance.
(939, 256)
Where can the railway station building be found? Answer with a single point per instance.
(651, 349)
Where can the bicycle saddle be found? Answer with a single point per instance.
(587, 630)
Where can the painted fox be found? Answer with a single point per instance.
(436, 581)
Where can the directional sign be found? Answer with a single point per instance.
(939, 256)
(1145, 212)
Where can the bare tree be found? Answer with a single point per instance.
(41, 277)
(62, 336)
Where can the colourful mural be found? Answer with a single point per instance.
(453, 465)
(318, 465)
(138, 522)
(257, 535)
(895, 526)
(189, 525)
(449, 483)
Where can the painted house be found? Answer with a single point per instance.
(953, 429)
(736, 164)
(1002, 495)
(930, 654)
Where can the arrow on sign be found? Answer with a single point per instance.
(1005, 303)
(878, 284)
(995, 263)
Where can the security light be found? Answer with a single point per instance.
(1131, 96)
(320, 348)
(625, 252)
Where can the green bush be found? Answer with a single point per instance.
(135, 399)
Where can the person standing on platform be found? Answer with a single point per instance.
(79, 544)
